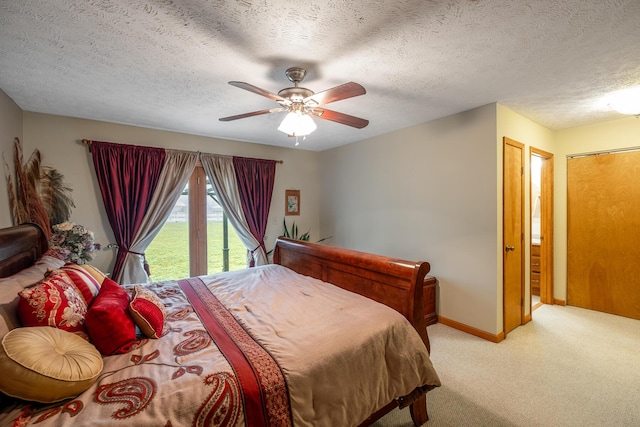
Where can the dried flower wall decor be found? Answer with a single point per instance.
(39, 194)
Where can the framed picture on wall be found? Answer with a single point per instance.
(292, 202)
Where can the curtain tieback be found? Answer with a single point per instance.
(145, 264)
(135, 253)
(252, 261)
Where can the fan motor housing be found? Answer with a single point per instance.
(293, 93)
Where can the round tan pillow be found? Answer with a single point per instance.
(46, 364)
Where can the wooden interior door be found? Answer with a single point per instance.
(603, 260)
(513, 234)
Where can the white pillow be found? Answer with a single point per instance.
(45, 364)
(32, 275)
(9, 320)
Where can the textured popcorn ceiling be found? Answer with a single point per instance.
(165, 64)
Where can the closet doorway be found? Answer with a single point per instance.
(541, 230)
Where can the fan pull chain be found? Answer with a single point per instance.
(298, 142)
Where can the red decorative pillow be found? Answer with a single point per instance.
(148, 312)
(110, 327)
(85, 284)
(53, 302)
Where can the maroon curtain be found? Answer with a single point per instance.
(255, 178)
(127, 175)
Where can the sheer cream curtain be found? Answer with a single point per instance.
(178, 167)
(221, 173)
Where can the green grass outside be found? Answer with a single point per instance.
(168, 254)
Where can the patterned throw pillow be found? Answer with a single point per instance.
(110, 327)
(86, 285)
(53, 302)
(94, 272)
(148, 312)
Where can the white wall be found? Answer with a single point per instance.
(59, 140)
(614, 134)
(10, 128)
(425, 193)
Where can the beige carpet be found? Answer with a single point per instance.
(568, 367)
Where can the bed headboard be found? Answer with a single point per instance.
(394, 282)
(20, 247)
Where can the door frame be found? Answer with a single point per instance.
(518, 145)
(546, 225)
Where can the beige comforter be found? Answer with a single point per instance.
(343, 357)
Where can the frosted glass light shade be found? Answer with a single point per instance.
(296, 124)
(626, 102)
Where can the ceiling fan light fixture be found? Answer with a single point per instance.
(302, 103)
(297, 124)
(626, 101)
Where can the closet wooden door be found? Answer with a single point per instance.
(513, 233)
(603, 260)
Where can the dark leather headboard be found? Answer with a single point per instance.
(20, 247)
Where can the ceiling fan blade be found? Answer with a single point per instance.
(341, 118)
(347, 90)
(253, 113)
(255, 89)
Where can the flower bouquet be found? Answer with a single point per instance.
(73, 242)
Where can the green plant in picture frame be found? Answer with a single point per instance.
(292, 202)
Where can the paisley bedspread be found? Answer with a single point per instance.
(262, 384)
(262, 346)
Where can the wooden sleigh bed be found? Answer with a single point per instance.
(391, 282)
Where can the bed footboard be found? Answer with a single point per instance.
(394, 282)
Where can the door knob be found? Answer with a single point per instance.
(510, 248)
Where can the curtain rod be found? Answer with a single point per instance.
(597, 153)
(88, 143)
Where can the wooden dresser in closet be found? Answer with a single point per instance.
(535, 270)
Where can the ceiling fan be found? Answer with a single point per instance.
(302, 103)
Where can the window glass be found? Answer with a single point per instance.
(168, 253)
(183, 248)
(222, 254)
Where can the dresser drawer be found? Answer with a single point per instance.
(535, 259)
(535, 283)
(535, 250)
(535, 264)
